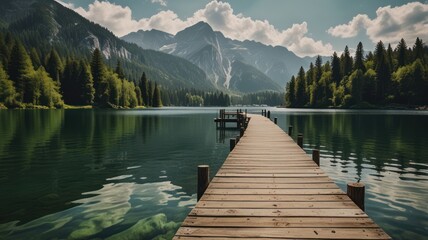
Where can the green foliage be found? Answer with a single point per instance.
(8, 95)
(54, 65)
(19, 67)
(372, 82)
(42, 90)
(157, 102)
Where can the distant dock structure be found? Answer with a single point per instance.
(269, 188)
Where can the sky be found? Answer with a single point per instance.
(306, 27)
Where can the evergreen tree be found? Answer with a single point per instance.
(382, 71)
(20, 67)
(150, 93)
(300, 88)
(139, 96)
(390, 57)
(359, 58)
(35, 58)
(54, 65)
(99, 76)
(335, 68)
(346, 63)
(144, 86)
(119, 70)
(401, 53)
(318, 69)
(87, 91)
(157, 102)
(290, 91)
(418, 50)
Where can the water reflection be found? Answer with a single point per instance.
(387, 151)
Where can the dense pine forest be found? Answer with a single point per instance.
(384, 77)
(32, 78)
(44, 78)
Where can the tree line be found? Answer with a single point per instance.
(386, 76)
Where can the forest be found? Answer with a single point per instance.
(31, 78)
(385, 77)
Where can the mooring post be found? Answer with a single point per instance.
(275, 120)
(290, 130)
(355, 192)
(300, 140)
(203, 179)
(316, 156)
(241, 132)
(268, 115)
(232, 143)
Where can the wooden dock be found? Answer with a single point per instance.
(269, 188)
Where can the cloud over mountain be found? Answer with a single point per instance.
(220, 15)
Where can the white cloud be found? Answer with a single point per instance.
(219, 15)
(161, 2)
(407, 21)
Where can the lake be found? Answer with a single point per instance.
(85, 174)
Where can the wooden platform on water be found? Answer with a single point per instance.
(269, 188)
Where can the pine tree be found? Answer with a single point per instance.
(289, 93)
(157, 102)
(359, 58)
(150, 93)
(401, 53)
(300, 88)
(87, 91)
(383, 71)
(346, 63)
(144, 89)
(119, 70)
(35, 58)
(99, 76)
(139, 96)
(54, 65)
(318, 69)
(19, 68)
(335, 69)
(418, 50)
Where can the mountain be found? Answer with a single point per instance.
(44, 24)
(216, 55)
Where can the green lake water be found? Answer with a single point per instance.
(105, 174)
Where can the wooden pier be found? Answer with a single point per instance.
(269, 188)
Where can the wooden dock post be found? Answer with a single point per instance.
(356, 192)
(316, 156)
(237, 139)
(241, 132)
(290, 130)
(300, 140)
(275, 120)
(203, 179)
(268, 114)
(232, 143)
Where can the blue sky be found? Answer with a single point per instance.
(307, 27)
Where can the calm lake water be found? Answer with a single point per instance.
(88, 174)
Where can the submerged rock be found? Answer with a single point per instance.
(155, 227)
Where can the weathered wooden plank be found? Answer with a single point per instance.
(271, 180)
(311, 233)
(276, 205)
(310, 191)
(354, 212)
(279, 222)
(273, 175)
(279, 198)
(272, 186)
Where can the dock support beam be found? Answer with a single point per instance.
(241, 132)
(290, 130)
(316, 156)
(300, 140)
(232, 143)
(356, 192)
(203, 179)
(268, 114)
(275, 120)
